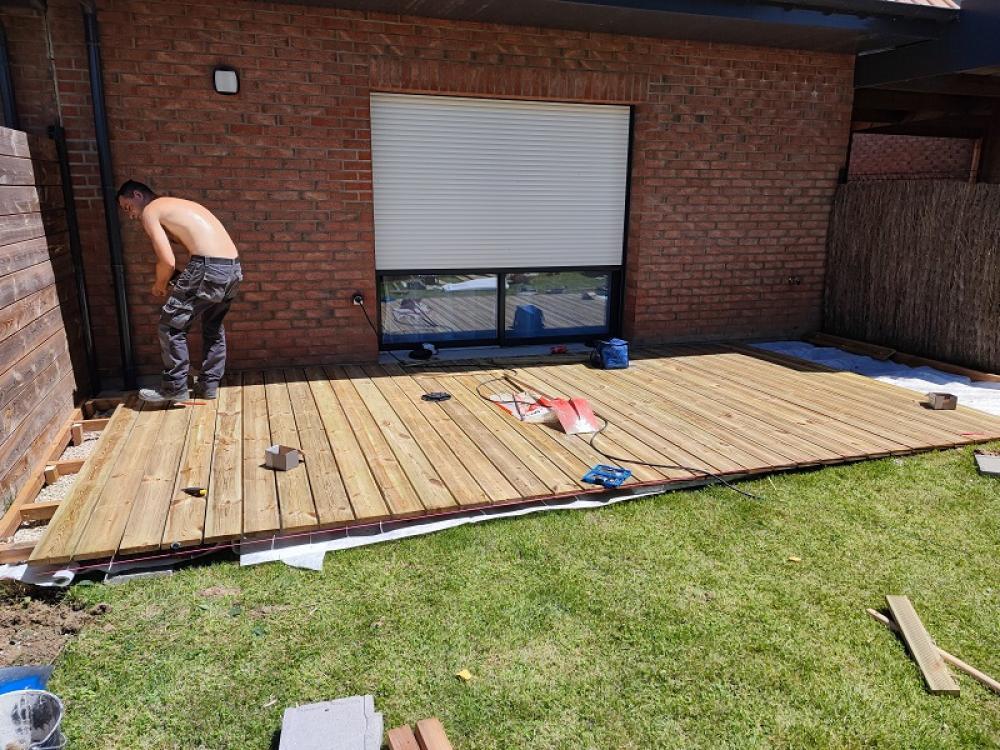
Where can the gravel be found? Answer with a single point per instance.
(76, 452)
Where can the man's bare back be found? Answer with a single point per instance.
(190, 224)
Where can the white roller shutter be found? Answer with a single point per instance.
(483, 183)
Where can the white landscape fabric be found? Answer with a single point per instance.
(978, 395)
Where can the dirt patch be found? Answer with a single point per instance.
(215, 591)
(34, 627)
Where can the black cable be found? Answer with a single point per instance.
(718, 479)
(375, 328)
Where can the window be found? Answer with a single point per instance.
(560, 303)
(438, 308)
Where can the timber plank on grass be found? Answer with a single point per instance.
(925, 652)
(110, 515)
(70, 519)
(363, 491)
(260, 497)
(298, 511)
(332, 504)
(224, 515)
(144, 529)
(185, 525)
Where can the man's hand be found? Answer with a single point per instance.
(159, 289)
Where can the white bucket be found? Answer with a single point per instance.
(30, 719)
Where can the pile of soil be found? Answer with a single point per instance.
(35, 626)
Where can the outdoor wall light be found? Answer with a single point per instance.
(226, 80)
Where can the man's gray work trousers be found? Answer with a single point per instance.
(206, 288)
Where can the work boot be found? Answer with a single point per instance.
(162, 396)
(206, 391)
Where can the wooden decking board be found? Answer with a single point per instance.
(144, 529)
(467, 453)
(224, 511)
(298, 511)
(363, 491)
(103, 534)
(850, 433)
(540, 436)
(843, 436)
(70, 521)
(329, 494)
(523, 480)
(922, 646)
(671, 435)
(702, 413)
(908, 431)
(573, 450)
(399, 494)
(260, 495)
(464, 488)
(553, 477)
(374, 450)
(882, 396)
(403, 440)
(757, 422)
(185, 526)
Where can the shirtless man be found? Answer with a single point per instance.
(205, 288)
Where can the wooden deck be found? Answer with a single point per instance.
(375, 450)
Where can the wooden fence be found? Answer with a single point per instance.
(915, 266)
(40, 328)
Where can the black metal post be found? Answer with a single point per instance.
(10, 118)
(108, 193)
(58, 134)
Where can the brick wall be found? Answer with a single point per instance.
(901, 157)
(734, 167)
(34, 90)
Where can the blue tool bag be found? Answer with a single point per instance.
(610, 355)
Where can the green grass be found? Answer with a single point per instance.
(668, 622)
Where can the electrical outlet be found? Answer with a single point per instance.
(357, 298)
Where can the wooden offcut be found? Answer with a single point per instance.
(402, 738)
(375, 451)
(431, 736)
(922, 646)
(980, 677)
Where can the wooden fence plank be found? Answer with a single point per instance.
(21, 255)
(27, 199)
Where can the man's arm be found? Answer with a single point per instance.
(165, 260)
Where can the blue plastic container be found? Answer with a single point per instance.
(529, 321)
(610, 355)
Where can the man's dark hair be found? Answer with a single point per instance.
(132, 186)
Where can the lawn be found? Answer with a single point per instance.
(668, 622)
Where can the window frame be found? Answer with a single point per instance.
(615, 305)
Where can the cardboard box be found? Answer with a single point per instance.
(942, 400)
(281, 457)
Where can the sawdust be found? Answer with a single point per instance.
(34, 627)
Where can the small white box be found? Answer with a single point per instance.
(281, 457)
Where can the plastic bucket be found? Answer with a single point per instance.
(31, 719)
